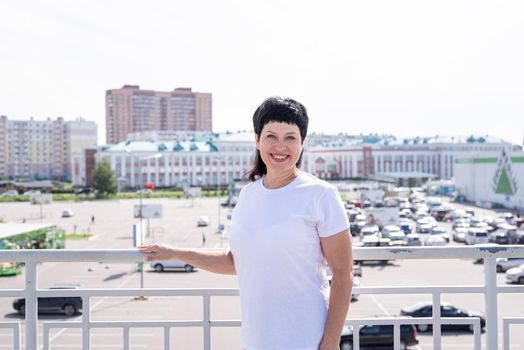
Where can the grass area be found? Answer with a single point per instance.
(78, 236)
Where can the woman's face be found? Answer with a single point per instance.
(280, 146)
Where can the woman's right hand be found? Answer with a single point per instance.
(157, 252)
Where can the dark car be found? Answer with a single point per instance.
(499, 236)
(83, 190)
(516, 236)
(446, 310)
(379, 337)
(63, 305)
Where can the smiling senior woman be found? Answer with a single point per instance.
(286, 227)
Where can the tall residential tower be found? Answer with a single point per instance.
(131, 109)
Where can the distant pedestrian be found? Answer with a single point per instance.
(92, 219)
(74, 229)
(203, 239)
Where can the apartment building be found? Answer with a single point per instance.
(131, 110)
(42, 148)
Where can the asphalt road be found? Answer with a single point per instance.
(113, 229)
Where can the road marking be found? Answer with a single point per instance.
(380, 306)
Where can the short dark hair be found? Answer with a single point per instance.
(277, 109)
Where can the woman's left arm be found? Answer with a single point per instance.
(337, 250)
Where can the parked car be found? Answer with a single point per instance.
(498, 222)
(375, 241)
(386, 230)
(32, 193)
(459, 234)
(378, 337)
(160, 266)
(405, 225)
(478, 222)
(438, 230)
(425, 224)
(369, 231)
(435, 240)
(203, 221)
(507, 216)
(517, 236)
(476, 236)
(67, 213)
(143, 191)
(413, 239)
(398, 238)
(504, 264)
(352, 214)
(515, 275)
(446, 310)
(461, 222)
(10, 193)
(499, 236)
(83, 190)
(69, 306)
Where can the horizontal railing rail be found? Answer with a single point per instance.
(489, 289)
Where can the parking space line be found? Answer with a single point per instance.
(380, 306)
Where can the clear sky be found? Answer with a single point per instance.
(398, 67)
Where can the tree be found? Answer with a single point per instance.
(104, 180)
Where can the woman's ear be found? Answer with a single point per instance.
(257, 140)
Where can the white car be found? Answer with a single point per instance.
(438, 230)
(369, 231)
(398, 238)
(504, 264)
(515, 275)
(67, 213)
(459, 234)
(203, 221)
(388, 229)
(160, 266)
(477, 236)
(10, 193)
(435, 240)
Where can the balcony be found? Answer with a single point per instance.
(32, 258)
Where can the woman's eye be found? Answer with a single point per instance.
(270, 136)
(292, 138)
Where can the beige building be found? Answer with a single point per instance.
(42, 148)
(131, 109)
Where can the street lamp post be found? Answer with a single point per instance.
(141, 216)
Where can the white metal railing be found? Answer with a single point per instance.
(489, 289)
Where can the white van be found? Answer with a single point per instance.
(476, 236)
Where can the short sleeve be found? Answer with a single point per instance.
(331, 214)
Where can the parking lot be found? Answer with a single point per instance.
(112, 229)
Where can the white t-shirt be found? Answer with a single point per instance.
(275, 241)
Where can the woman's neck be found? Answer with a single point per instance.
(273, 181)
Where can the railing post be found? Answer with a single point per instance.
(31, 306)
(490, 283)
(207, 324)
(86, 319)
(437, 334)
(167, 338)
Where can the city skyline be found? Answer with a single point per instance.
(406, 69)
